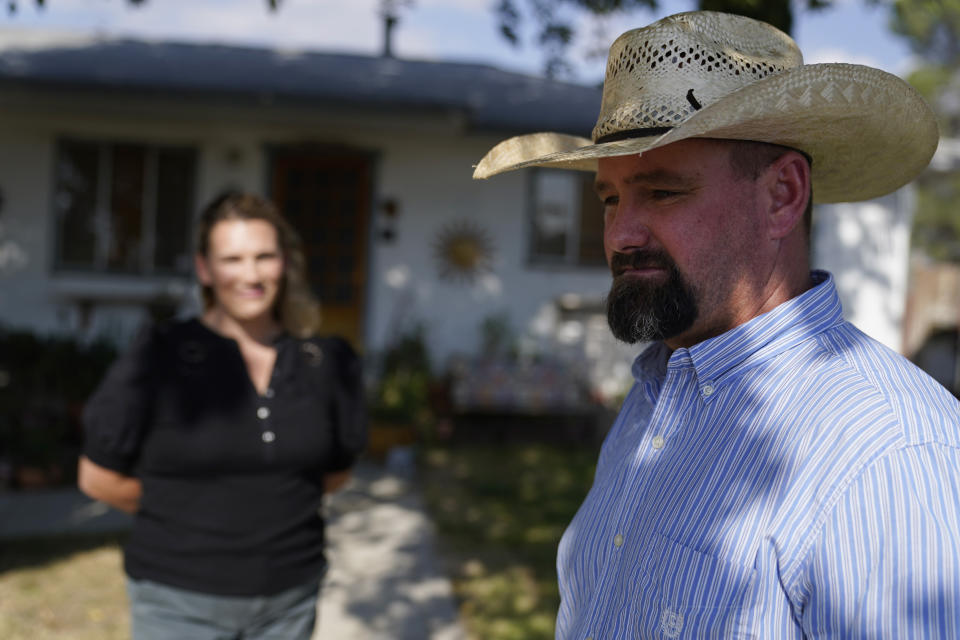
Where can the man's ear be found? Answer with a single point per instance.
(788, 180)
(203, 271)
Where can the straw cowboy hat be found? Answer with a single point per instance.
(713, 75)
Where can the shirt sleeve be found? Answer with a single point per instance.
(115, 416)
(887, 564)
(350, 410)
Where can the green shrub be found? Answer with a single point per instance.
(44, 382)
(402, 393)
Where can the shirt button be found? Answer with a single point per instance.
(657, 442)
(708, 389)
(618, 540)
(269, 436)
(263, 413)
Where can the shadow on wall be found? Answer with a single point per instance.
(866, 247)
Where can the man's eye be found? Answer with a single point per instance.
(610, 201)
(663, 194)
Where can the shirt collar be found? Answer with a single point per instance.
(785, 326)
(650, 369)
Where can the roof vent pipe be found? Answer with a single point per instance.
(390, 12)
(389, 22)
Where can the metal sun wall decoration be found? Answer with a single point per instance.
(463, 251)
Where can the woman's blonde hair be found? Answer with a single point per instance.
(297, 309)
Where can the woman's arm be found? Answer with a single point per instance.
(116, 489)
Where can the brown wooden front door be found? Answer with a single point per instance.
(326, 196)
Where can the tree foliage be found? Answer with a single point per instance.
(931, 27)
(554, 24)
(936, 225)
(779, 13)
(14, 5)
(554, 20)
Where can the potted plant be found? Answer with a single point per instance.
(399, 407)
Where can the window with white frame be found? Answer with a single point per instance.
(123, 208)
(566, 219)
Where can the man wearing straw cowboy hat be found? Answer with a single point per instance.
(774, 472)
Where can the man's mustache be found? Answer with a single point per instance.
(640, 259)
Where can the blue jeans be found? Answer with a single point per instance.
(160, 612)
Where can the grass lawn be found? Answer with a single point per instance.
(500, 511)
(70, 587)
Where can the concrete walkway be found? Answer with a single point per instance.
(385, 580)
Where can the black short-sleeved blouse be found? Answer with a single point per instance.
(232, 480)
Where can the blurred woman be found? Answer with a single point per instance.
(221, 435)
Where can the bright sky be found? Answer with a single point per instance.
(463, 30)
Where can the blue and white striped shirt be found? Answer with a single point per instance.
(791, 478)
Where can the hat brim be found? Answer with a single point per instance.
(867, 131)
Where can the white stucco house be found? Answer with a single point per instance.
(108, 148)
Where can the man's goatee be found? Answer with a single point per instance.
(640, 311)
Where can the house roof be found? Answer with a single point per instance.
(490, 98)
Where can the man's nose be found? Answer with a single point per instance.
(626, 228)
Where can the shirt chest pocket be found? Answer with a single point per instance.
(689, 594)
